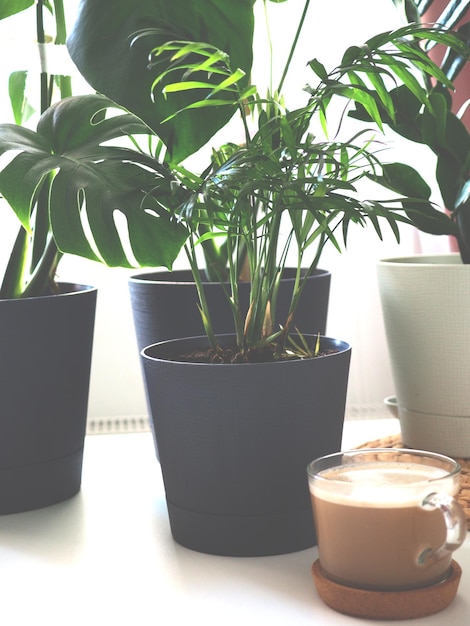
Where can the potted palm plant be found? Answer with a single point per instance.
(425, 298)
(234, 437)
(47, 326)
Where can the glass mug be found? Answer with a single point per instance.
(386, 519)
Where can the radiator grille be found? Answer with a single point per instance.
(117, 425)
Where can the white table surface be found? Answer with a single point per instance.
(106, 557)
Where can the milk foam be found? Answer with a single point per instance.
(380, 484)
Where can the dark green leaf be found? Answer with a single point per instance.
(100, 46)
(21, 108)
(351, 55)
(319, 69)
(95, 180)
(429, 219)
(448, 173)
(404, 180)
(11, 7)
(20, 179)
(112, 189)
(79, 123)
(434, 124)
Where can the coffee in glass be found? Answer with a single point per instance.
(386, 519)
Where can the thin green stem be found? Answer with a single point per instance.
(233, 298)
(42, 280)
(270, 45)
(293, 46)
(246, 130)
(60, 24)
(204, 308)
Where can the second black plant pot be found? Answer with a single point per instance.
(164, 305)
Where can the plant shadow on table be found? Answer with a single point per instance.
(274, 576)
(46, 533)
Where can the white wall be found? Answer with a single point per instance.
(355, 315)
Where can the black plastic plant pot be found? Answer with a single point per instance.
(164, 305)
(234, 442)
(45, 357)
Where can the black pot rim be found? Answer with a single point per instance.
(67, 289)
(164, 277)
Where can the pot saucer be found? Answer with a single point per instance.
(387, 605)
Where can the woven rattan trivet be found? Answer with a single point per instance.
(394, 441)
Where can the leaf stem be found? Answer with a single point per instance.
(293, 46)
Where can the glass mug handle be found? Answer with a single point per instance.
(455, 521)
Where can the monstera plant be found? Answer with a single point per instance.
(47, 324)
(172, 75)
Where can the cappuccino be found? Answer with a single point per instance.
(372, 529)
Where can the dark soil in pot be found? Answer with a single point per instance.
(230, 355)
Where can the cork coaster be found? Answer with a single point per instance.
(387, 605)
(394, 441)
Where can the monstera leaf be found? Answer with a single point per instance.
(107, 190)
(122, 48)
